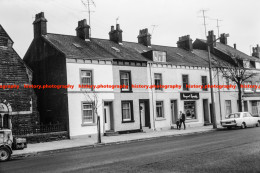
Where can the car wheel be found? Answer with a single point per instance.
(257, 124)
(5, 154)
(243, 126)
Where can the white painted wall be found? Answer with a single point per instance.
(102, 74)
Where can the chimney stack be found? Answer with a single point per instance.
(256, 51)
(144, 37)
(185, 42)
(211, 40)
(40, 25)
(83, 30)
(223, 38)
(235, 46)
(116, 35)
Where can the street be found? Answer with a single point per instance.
(233, 150)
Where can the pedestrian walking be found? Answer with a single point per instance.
(182, 120)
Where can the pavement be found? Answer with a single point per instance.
(91, 141)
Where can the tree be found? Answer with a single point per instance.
(92, 97)
(236, 70)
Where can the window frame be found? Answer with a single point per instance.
(184, 86)
(80, 78)
(162, 107)
(93, 122)
(205, 84)
(160, 74)
(129, 89)
(131, 111)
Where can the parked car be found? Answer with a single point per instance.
(257, 116)
(240, 119)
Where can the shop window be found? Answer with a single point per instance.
(127, 111)
(204, 83)
(158, 81)
(87, 113)
(228, 107)
(159, 109)
(185, 82)
(125, 80)
(190, 109)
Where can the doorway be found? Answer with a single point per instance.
(206, 111)
(108, 117)
(174, 111)
(144, 110)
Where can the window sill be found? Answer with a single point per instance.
(88, 124)
(160, 119)
(130, 121)
(126, 91)
(191, 120)
(248, 91)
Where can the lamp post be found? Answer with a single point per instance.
(211, 88)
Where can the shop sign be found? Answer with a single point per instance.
(190, 96)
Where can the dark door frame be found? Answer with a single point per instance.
(147, 113)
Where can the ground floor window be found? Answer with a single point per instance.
(127, 111)
(87, 113)
(159, 109)
(228, 107)
(255, 107)
(190, 109)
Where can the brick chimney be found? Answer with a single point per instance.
(116, 35)
(185, 42)
(144, 37)
(39, 25)
(256, 51)
(211, 40)
(82, 30)
(223, 38)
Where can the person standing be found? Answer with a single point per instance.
(182, 120)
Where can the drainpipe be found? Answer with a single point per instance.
(151, 83)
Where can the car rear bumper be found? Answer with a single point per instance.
(229, 125)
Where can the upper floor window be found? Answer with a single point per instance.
(87, 113)
(125, 80)
(257, 83)
(86, 78)
(228, 107)
(159, 56)
(247, 86)
(204, 82)
(158, 81)
(226, 82)
(185, 82)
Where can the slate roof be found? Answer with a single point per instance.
(228, 49)
(74, 47)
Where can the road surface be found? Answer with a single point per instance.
(229, 151)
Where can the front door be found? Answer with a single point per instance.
(174, 111)
(142, 113)
(206, 111)
(107, 118)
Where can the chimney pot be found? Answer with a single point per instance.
(116, 35)
(185, 42)
(144, 37)
(82, 30)
(223, 38)
(39, 25)
(256, 51)
(211, 40)
(235, 46)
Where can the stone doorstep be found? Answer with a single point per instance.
(34, 153)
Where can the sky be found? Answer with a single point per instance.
(166, 20)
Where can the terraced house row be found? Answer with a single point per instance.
(80, 60)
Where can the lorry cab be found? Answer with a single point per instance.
(6, 140)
